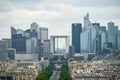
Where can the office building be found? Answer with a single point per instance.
(43, 34)
(19, 42)
(84, 41)
(3, 50)
(35, 30)
(108, 45)
(102, 40)
(71, 51)
(28, 46)
(118, 40)
(87, 22)
(103, 28)
(9, 42)
(18, 39)
(97, 38)
(112, 32)
(20, 31)
(28, 33)
(76, 30)
(85, 36)
(90, 38)
(13, 31)
(39, 32)
(46, 49)
(11, 53)
(3, 56)
(3, 46)
(31, 45)
(96, 25)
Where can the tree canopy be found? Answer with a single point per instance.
(64, 75)
(45, 74)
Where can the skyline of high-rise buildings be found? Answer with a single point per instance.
(95, 37)
(29, 41)
(92, 45)
(91, 38)
(54, 40)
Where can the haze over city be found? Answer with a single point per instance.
(57, 16)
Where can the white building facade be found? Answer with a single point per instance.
(31, 45)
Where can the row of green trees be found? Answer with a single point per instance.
(45, 74)
(64, 75)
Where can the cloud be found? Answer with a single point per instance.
(8, 5)
(94, 3)
(57, 15)
(5, 6)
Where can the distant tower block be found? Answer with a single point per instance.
(54, 42)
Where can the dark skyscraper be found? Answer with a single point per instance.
(11, 53)
(112, 34)
(13, 31)
(103, 28)
(76, 30)
(18, 40)
(71, 51)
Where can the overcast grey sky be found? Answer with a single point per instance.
(56, 15)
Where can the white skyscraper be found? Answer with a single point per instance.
(31, 45)
(88, 36)
(84, 41)
(43, 33)
(87, 22)
(103, 39)
(39, 32)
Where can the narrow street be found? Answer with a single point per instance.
(56, 72)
